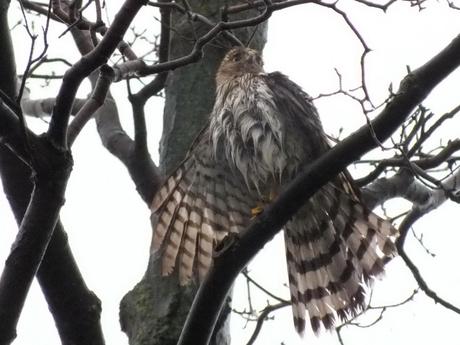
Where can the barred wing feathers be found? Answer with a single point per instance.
(197, 206)
(333, 244)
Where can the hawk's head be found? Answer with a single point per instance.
(237, 62)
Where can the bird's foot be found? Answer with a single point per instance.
(256, 211)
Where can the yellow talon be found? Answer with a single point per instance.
(256, 211)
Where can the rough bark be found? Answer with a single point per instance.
(154, 311)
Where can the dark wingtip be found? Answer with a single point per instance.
(315, 324)
(328, 321)
(299, 324)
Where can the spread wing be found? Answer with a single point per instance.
(334, 244)
(200, 202)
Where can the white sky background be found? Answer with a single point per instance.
(108, 223)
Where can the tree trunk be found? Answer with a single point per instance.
(154, 312)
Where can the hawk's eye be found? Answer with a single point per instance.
(237, 57)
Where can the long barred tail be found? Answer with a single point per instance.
(333, 245)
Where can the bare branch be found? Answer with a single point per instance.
(410, 219)
(262, 318)
(12, 132)
(383, 7)
(381, 309)
(52, 168)
(197, 52)
(429, 162)
(74, 76)
(43, 107)
(403, 184)
(142, 170)
(96, 100)
(431, 200)
(156, 85)
(366, 50)
(427, 133)
(260, 287)
(194, 16)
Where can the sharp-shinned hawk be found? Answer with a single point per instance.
(262, 131)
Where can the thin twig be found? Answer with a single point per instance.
(261, 288)
(263, 317)
(197, 50)
(410, 219)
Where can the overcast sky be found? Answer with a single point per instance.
(108, 223)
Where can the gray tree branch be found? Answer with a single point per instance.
(80, 70)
